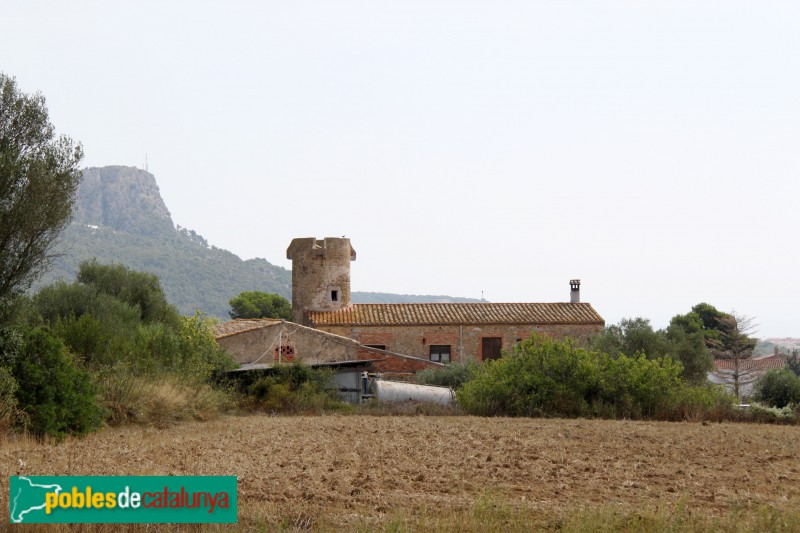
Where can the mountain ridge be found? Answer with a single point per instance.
(120, 217)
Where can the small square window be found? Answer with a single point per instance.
(440, 353)
(334, 296)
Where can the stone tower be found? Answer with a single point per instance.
(320, 275)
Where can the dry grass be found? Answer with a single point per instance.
(457, 473)
(160, 400)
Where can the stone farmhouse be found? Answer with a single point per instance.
(439, 332)
(326, 328)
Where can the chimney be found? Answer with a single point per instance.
(574, 291)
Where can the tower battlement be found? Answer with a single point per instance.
(320, 274)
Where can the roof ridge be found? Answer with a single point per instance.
(353, 304)
(454, 313)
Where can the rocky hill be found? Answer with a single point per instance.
(122, 199)
(785, 345)
(120, 217)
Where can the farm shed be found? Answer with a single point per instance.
(268, 342)
(348, 378)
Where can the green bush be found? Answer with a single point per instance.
(106, 331)
(788, 414)
(452, 375)
(294, 388)
(56, 395)
(696, 403)
(153, 366)
(635, 387)
(99, 328)
(200, 354)
(547, 377)
(543, 377)
(778, 388)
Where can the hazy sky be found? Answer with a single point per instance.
(651, 149)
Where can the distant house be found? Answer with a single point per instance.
(744, 373)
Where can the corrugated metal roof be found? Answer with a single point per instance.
(763, 363)
(457, 314)
(241, 325)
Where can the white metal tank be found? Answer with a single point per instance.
(396, 391)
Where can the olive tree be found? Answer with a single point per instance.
(39, 176)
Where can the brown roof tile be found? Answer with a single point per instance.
(457, 314)
(241, 325)
(763, 363)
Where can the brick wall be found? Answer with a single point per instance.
(465, 341)
(394, 363)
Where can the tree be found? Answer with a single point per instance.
(793, 363)
(682, 341)
(778, 388)
(57, 396)
(39, 176)
(630, 337)
(690, 349)
(132, 287)
(725, 335)
(722, 330)
(117, 318)
(256, 304)
(734, 343)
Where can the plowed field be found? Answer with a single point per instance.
(346, 470)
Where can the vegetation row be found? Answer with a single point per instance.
(109, 348)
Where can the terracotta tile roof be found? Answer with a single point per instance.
(457, 314)
(240, 325)
(763, 363)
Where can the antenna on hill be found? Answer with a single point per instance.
(481, 296)
(146, 169)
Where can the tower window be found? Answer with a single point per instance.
(334, 293)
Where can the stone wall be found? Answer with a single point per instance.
(286, 342)
(320, 275)
(465, 341)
